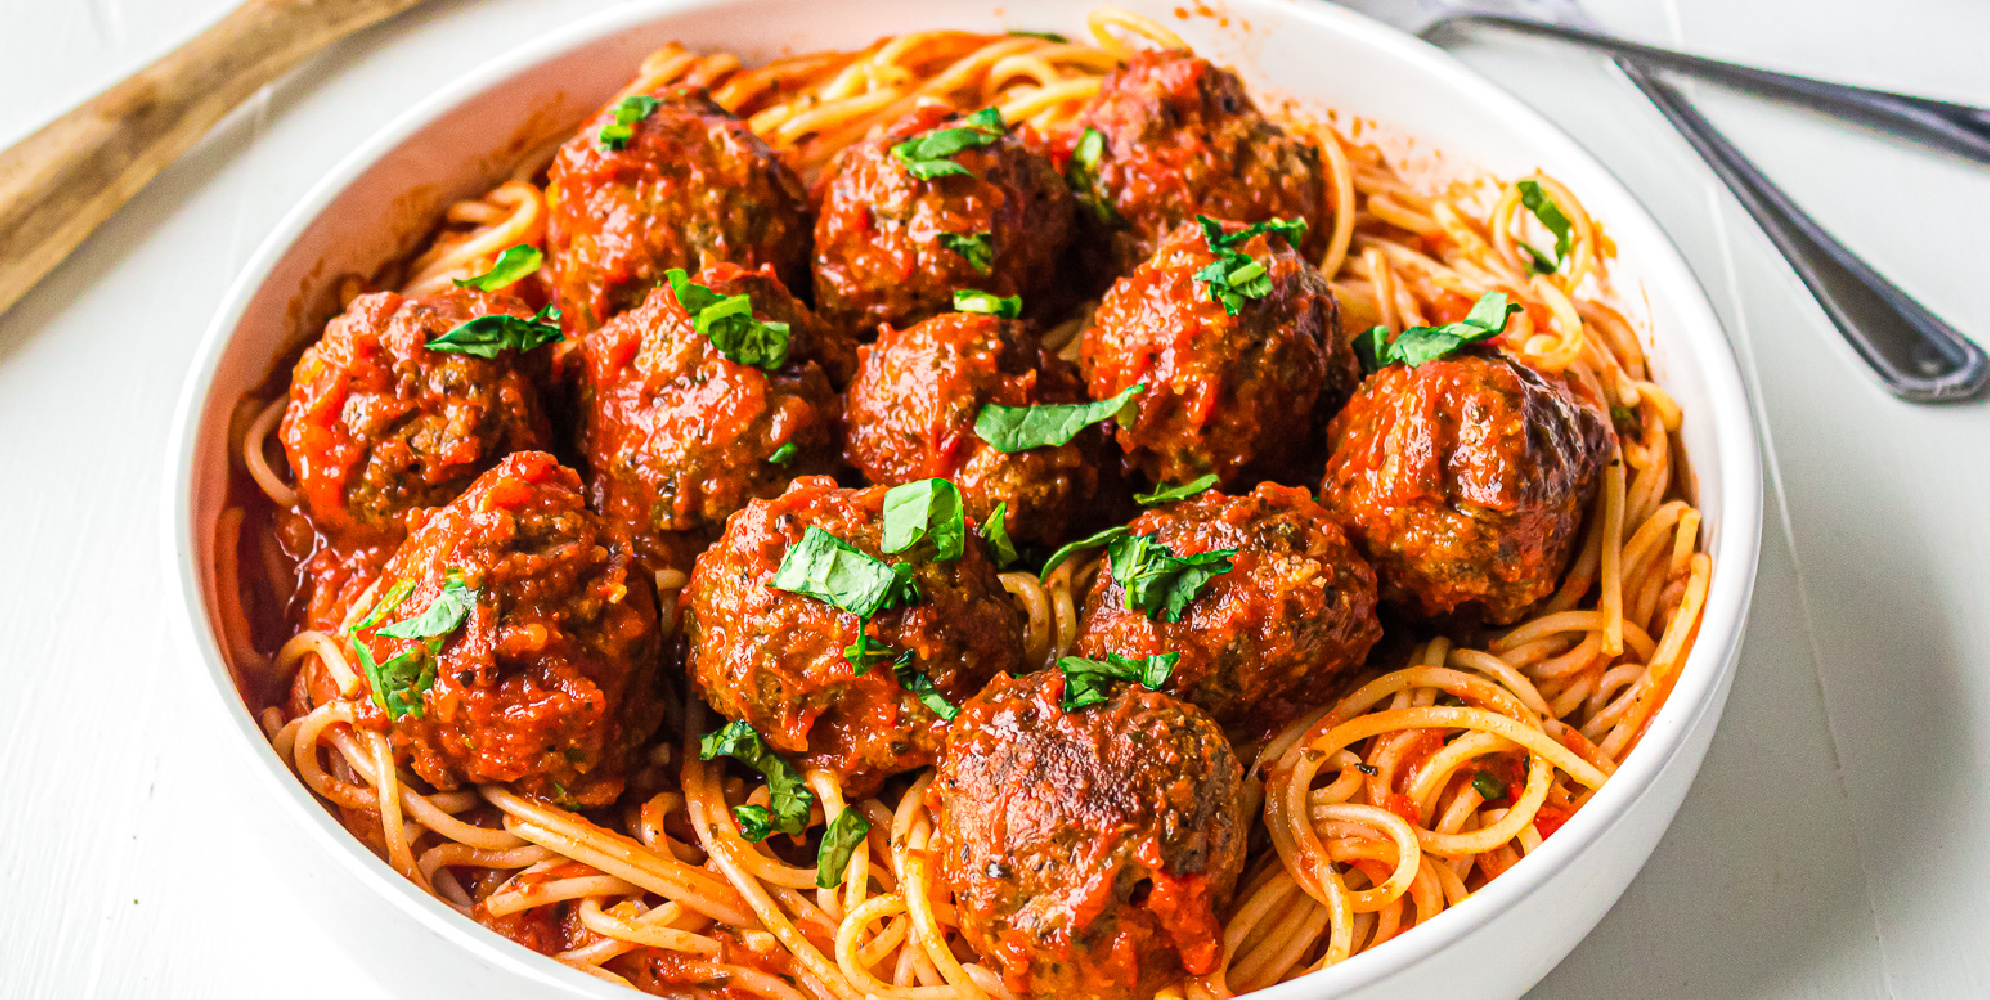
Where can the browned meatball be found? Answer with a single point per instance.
(775, 658)
(1259, 643)
(690, 187)
(1089, 852)
(677, 436)
(379, 425)
(889, 246)
(1465, 481)
(912, 407)
(1181, 138)
(545, 674)
(1236, 395)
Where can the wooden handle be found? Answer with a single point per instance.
(58, 184)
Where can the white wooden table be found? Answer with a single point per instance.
(1837, 843)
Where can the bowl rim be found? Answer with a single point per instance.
(1700, 689)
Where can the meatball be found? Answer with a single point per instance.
(379, 425)
(1465, 480)
(1259, 643)
(1089, 852)
(911, 412)
(1181, 138)
(545, 674)
(892, 248)
(1235, 395)
(775, 658)
(690, 187)
(677, 436)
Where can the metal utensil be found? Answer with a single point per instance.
(1917, 355)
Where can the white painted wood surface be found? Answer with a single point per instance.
(1837, 843)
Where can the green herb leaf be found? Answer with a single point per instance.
(840, 840)
(995, 533)
(627, 114)
(1069, 549)
(1233, 276)
(1419, 344)
(1158, 583)
(1048, 36)
(1489, 787)
(1537, 201)
(756, 823)
(1171, 494)
(925, 156)
(973, 301)
(1019, 428)
(1089, 682)
(485, 336)
(1082, 174)
(926, 509)
(977, 248)
(512, 266)
(444, 614)
(787, 792)
(863, 655)
(920, 686)
(728, 322)
(830, 569)
(399, 683)
(388, 602)
(784, 454)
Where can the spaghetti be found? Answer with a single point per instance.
(1378, 811)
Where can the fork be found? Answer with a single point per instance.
(1917, 356)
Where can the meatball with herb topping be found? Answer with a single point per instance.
(1465, 480)
(785, 662)
(381, 424)
(1089, 852)
(685, 185)
(1177, 137)
(1237, 369)
(508, 641)
(681, 427)
(903, 224)
(911, 413)
(1262, 640)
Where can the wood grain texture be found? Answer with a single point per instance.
(59, 183)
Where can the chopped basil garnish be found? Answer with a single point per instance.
(1105, 537)
(1088, 682)
(1419, 344)
(388, 602)
(863, 655)
(1233, 276)
(926, 156)
(972, 301)
(921, 687)
(832, 570)
(1171, 494)
(1158, 583)
(784, 454)
(996, 534)
(399, 683)
(444, 614)
(485, 336)
(787, 792)
(728, 322)
(929, 509)
(1082, 173)
(976, 248)
(1020, 428)
(627, 114)
(1048, 36)
(1535, 200)
(1489, 787)
(512, 266)
(840, 840)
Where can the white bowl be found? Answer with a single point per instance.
(458, 142)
